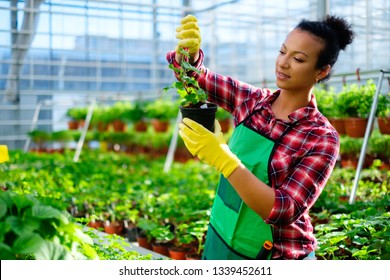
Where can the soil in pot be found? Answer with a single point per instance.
(204, 116)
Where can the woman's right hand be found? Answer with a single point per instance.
(188, 34)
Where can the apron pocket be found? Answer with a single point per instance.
(229, 195)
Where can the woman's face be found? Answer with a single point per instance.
(296, 63)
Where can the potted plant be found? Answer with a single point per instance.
(136, 114)
(197, 229)
(326, 99)
(62, 137)
(145, 237)
(101, 118)
(354, 103)
(161, 111)
(350, 148)
(118, 113)
(113, 225)
(179, 249)
(383, 113)
(39, 137)
(77, 116)
(193, 99)
(380, 147)
(162, 237)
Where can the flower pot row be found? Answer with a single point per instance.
(356, 127)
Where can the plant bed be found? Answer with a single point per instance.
(140, 190)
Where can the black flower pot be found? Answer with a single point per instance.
(203, 116)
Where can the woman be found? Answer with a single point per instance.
(282, 151)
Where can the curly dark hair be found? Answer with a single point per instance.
(335, 32)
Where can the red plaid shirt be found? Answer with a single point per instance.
(305, 153)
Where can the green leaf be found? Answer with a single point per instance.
(3, 210)
(6, 199)
(48, 212)
(22, 226)
(50, 250)
(23, 201)
(28, 243)
(4, 228)
(6, 252)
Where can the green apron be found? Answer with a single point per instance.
(235, 231)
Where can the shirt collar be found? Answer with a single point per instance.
(308, 112)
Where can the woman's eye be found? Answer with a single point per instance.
(281, 52)
(298, 59)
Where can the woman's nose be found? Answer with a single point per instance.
(283, 61)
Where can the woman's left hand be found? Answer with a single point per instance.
(211, 148)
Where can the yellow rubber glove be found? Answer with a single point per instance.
(3, 154)
(188, 34)
(211, 148)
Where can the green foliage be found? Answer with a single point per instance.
(119, 110)
(326, 101)
(101, 114)
(356, 100)
(222, 114)
(152, 199)
(161, 109)
(137, 112)
(354, 231)
(380, 145)
(383, 109)
(62, 136)
(114, 247)
(350, 146)
(191, 94)
(77, 113)
(31, 229)
(39, 137)
(355, 236)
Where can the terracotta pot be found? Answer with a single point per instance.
(96, 224)
(225, 125)
(349, 163)
(193, 256)
(144, 242)
(355, 127)
(119, 126)
(178, 253)
(160, 126)
(141, 126)
(161, 248)
(339, 125)
(73, 125)
(115, 227)
(101, 127)
(384, 125)
(385, 166)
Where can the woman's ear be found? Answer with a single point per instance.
(323, 72)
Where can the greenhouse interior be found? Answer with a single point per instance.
(87, 173)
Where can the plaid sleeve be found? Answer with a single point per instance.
(306, 180)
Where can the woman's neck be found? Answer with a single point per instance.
(287, 103)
